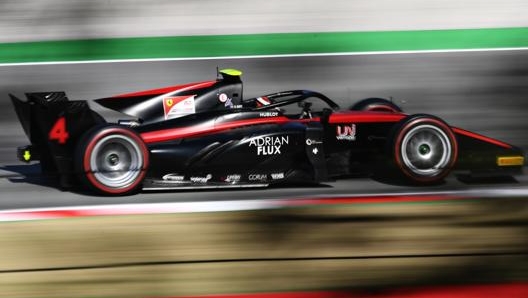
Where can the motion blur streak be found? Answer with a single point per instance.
(513, 290)
(353, 247)
(218, 206)
(74, 19)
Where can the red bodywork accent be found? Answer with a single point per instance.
(190, 86)
(364, 117)
(203, 129)
(480, 137)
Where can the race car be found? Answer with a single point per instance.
(206, 135)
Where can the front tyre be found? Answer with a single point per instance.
(424, 148)
(375, 104)
(112, 160)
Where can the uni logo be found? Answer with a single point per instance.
(346, 132)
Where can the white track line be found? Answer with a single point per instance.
(232, 205)
(263, 56)
(134, 209)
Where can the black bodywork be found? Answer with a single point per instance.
(215, 138)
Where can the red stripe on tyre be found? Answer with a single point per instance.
(90, 173)
(397, 148)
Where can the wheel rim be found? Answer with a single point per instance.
(426, 150)
(116, 161)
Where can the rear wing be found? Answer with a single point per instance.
(54, 126)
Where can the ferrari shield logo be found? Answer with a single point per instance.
(178, 106)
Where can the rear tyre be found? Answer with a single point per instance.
(424, 149)
(112, 160)
(376, 104)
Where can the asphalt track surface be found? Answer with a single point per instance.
(484, 92)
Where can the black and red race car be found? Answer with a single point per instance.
(205, 135)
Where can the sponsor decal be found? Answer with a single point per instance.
(311, 142)
(346, 132)
(263, 101)
(178, 106)
(228, 102)
(201, 179)
(233, 178)
(314, 143)
(223, 98)
(172, 177)
(257, 177)
(277, 176)
(269, 145)
(269, 114)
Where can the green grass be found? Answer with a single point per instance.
(260, 44)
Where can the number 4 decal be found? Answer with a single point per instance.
(58, 131)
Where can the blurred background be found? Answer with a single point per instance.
(81, 19)
(408, 50)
